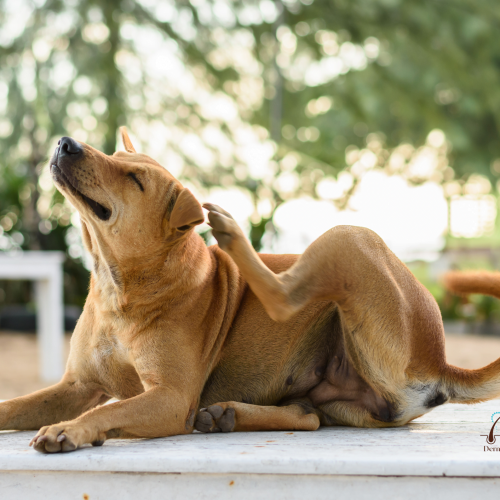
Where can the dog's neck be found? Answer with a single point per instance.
(123, 287)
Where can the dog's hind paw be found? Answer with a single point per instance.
(215, 419)
(224, 227)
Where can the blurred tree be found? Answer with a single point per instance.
(401, 68)
(270, 97)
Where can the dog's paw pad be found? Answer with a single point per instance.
(215, 419)
(216, 411)
(227, 421)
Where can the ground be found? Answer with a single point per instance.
(19, 362)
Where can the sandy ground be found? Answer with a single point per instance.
(19, 364)
(19, 361)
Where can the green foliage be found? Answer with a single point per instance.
(437, 68)
(316, 77)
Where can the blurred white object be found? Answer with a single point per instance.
(473, 215)
(412, 220)
(45, 268)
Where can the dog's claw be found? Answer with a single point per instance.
(215, 208)
(35, 440)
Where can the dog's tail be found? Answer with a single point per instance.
(473, 386)
(466, 282)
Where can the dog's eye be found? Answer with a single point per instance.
(136, 180)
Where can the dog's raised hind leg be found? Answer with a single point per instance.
(317, 274)
(272, 290)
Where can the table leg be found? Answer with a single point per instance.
(50, 326)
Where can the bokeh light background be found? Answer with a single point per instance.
(294, 116)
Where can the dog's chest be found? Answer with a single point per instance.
(112, 360)
(110, 349)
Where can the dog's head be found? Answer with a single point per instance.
(128, 203)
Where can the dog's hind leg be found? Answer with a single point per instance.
(281, 295)
(234, 416)
(63, 401)
(345, 262)
(393, 331)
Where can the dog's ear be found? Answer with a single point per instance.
(187, 212)
(129, 147)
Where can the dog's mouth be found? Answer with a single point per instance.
(102, 212)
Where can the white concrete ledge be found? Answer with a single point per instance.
(445, 447)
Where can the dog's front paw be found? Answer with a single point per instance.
(65, 436)
(224, 227)
(215, 419)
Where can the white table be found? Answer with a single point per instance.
(45, 268)
(439, 456)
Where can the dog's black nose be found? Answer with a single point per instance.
(69, 147)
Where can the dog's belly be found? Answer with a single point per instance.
(302, 360)
(264, 362)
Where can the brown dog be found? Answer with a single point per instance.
(342, 335)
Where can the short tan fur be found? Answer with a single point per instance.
(224, 339)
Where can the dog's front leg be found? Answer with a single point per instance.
(159, 412)
(65, 400)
